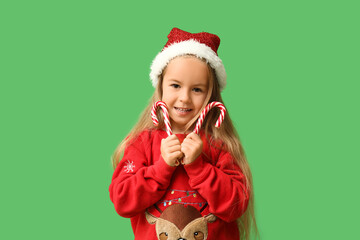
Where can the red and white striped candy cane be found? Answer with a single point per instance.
(166, 119)
(205, 112)
(164, 109)
(199, 122)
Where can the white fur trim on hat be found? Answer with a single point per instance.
(187, 47)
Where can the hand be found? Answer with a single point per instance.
(171, 150)
(191, 147)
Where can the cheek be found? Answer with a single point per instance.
(167, 100)
(199, 100)
(167, 94)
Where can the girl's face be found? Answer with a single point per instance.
(185, 87)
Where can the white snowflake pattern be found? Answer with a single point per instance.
(129, 167)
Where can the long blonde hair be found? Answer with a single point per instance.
(226, 133)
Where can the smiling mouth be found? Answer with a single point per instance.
(183, 109)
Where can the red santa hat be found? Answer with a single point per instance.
(203, 45)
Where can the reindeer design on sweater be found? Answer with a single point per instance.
(178, 222)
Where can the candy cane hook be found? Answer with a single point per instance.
(205, 112)
(164, 109)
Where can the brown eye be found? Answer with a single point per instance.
(198, 236)
(163, 236)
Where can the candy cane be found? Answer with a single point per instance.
(199, 122)
(205, 112)
(164, 109)
(166, 119)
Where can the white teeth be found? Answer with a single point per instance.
(183, 109)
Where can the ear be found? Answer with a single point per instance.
(210, 218)
(150, 218)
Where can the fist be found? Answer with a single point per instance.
(191, 147)
(171, 150)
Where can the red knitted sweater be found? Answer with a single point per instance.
(213, 184)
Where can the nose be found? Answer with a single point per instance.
(181, 239)
(184, 96)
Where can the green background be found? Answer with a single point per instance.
(74, 79)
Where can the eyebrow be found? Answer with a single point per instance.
(195, 85)
(173, 80)
(200, 85)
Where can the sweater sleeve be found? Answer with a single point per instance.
(135, 184)
(222, 185)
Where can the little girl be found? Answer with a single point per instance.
(213, 182)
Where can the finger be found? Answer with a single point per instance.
(185, 148)
(187, 139)
(192, 135)
(184, 160)
(190, 143)
(176, 155)
(174, 148)
(170, 143)
(181, 157)
(195, 138)
(172, 137)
